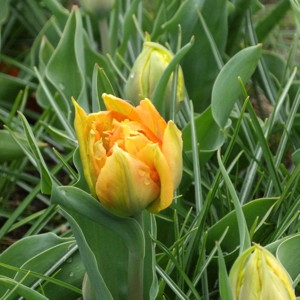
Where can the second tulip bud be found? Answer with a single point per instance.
(146, 73)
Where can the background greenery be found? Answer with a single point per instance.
(240, 121)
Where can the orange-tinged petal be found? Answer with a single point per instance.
(172, 150)
(114, 103)
(124, 185)
(151, 118)
(80, 128)
(134, 144)
(145, 113)
(153, 157)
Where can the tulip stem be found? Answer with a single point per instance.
(136, 270)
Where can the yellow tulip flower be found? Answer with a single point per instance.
(132, 158)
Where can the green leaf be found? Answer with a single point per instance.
(288, 252)
(161, 86)
(61, 14)
(128, 25)
(69, 77)
(209, 135)
(224, 284)
(100, 84)
(40, 254)
(89, 243)
(45, 173)
(266, 24)
(21, 289)
(244, 236)
(4, 12)
(199, 65)
(296, 157)
(150, 278)
(256, 208)
(102, 237)
(227, 88)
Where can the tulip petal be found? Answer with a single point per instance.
(124, 185)
(172, 150)
(145, 113)
(151, 118)
(80, 126)
(153, 157)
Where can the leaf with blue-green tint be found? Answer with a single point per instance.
(68, 77)
(227, 88)
(46, 182)
(21, 289)
(252, 210)
(288, 252)
(199, 65)
(105, 235)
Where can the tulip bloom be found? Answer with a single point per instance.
(258, 275)
(132, 158)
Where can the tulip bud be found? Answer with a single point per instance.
(145, 75)
(131, 157)
(258, 275)
(97, 7)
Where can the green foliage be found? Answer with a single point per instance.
(240, 127)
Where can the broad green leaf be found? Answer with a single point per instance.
(187, 8)
(69, 78)
(209, 135)
(257, 208)
(70, 273)
(104, 236)
(21, 289)
(227, 88)
(23, 251)
(45, 52)
(89, 239)
(93, 57)
(275, 64)
(47, 259)
(199, 65)
(288, 252)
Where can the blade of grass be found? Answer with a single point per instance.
(46, 182)
(224, 285)
(196, 163)
(172, 285)
(251, 173)
(44, 277)
(54, 105)
(245, 241)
